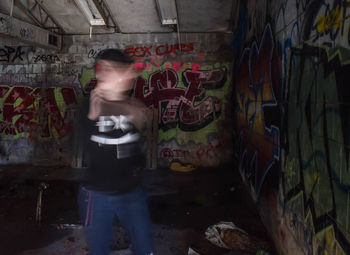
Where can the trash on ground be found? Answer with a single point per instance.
(228, 235)
(70, 240)
(65, 226)
(215, 233)
(177, 166)
(85, 250)
(192, 252)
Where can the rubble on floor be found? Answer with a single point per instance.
(182, 206)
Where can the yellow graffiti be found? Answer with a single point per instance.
(326, 243)
(332, 20)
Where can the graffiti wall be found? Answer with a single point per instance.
(291, 121)
(40, 91)
(192, 101)
(37, 99)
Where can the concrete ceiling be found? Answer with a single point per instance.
(123, 16)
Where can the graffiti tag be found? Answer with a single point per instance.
(160, 50)
(10, 54)
(258, 143)
(48, 58)
(20, 113)
(177, 106)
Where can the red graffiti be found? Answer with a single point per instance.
(167, 153)
(195, 67)
(139, 67)
(90, 86)
(176, 66)
(178, 104)
(139, 51)
(160, 50)
(208, 152)
(21, 111)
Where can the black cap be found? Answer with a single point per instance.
(115, 55)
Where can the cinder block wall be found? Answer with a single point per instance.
(291, 83)
(40, 90)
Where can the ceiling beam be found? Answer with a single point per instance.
(49, 17)
(103, 9)
(27, 12)
(39, 36)
(40, 16)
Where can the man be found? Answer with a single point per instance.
(111, 131)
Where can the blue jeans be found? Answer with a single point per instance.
(98, 210)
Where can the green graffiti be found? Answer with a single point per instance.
(86, 75)
(318, 122)
(36, 113)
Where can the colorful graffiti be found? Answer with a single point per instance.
(314, 189)
(35, 112)
(151, 50)
(317, 152)
(189, 97)
(257, 137)
(188, 107)
(203, 153)
(199, 154)
(327, 22)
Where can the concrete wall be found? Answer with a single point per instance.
(292, 120)
(187, 80)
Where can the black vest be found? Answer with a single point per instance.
(114, 149)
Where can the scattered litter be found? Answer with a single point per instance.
(215, 233)
(85, 250)
(192, 252)
(42, 187)
(70, 240)
(65, 226)
(228, 235)
(177, 166)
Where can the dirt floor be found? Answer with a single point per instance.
(182, 205)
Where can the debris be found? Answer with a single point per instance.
(215, 233)
(228, 235)
(85, 250)
(70, 240)
(177, 166)
(65, 226)
(42, 187)
(192, 252)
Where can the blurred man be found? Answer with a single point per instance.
(112, 129)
